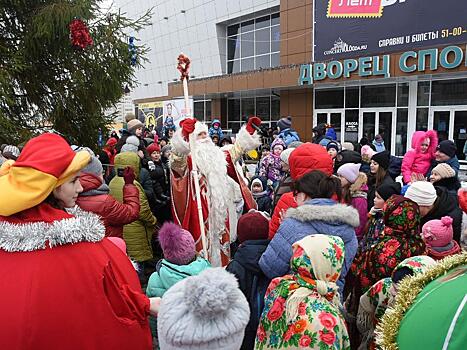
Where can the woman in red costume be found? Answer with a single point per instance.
(64, 286)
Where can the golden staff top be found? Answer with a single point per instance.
(183, 66)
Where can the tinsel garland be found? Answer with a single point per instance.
(408, 290)
(79, 34)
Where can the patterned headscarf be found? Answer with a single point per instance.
(302, 309)
(401, 240)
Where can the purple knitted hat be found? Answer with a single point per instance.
(177, 244)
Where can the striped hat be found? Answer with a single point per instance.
(46, 162)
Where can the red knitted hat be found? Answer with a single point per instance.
(252, 226)
(153, 147)
(308, 157)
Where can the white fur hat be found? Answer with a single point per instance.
(199, 128)
(203, 312)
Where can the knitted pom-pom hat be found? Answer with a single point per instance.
(438, 233)
(177, 244)
(203, 312)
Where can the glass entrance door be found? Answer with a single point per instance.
(379, 122)
(451, 124)
(331, 117)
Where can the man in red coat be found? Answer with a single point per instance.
(218, 178)
(64, 286)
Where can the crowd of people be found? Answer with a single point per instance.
(175, 239)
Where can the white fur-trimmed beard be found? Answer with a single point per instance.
(212, 164)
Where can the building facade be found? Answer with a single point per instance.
(360, 65)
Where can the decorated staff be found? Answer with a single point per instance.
(206, 183)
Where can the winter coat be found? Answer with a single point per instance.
(452, 162)
(122, 141)
(167, 274)
(416, 162)
(395, 165)
(160, 177)
(271, 167)
(81, 292)
(288, 136)
(359, 202)
(451, 184)
(263, 199)
(379, 146)
(213, 131)
(319, 215)
(284, 186)
(146, 182)
(372, 188)
(373, 230)
(138, 234)
(96, 199)
(305, 158)
(446, 205)
(253, 283)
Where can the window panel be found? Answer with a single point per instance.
(352, 97)
(262, 22)
(248, 108)
(263, 61)
(275, 107)
(262, 41)
(247, 26)
(248, 45)
(401, 131)
(330, 98)
(263, 107)
(423, 93)
(275, 39)
(233, 48)
(449, 92)
(275, 60)
(208, 113)
(233, 66)
(198, 110)
(379, 95)
(402, 95)
(233, 109)
(248, 64)
(233, 30)
(275, 18)
(422, 119)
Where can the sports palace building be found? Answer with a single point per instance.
(367, 67)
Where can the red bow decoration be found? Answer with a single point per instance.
(79, 34)
(183, 66)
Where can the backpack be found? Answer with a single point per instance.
(289, 136)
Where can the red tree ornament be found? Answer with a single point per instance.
(79, 34)
(183, 66)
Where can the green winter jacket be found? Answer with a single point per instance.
(138, 234)
(167, 274)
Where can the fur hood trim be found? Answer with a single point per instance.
(246, 141)
(338, 213)
(180, 146)
(84, 227)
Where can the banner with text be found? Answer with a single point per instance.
(353, 28)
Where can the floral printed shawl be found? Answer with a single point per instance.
(401, 240)
(302, 309)
(374, 303)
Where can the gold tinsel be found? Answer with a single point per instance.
(408, 290)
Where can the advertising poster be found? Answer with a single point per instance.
(354, 28)
(175, 109)
(150, 113)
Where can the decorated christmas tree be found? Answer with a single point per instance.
(62, 64)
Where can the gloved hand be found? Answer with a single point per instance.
(129, 176)
(252, 122)
(188, 126)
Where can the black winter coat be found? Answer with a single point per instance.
(446, 205)
(253, 283)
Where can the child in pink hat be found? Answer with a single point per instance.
(437, 235)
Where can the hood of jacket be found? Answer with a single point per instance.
(278, 141)
(172, 273)
(127, 159)
(419, 136)
(216, 121)
(308, 157)
(249, 253)
(327, 210)
(92, 185)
